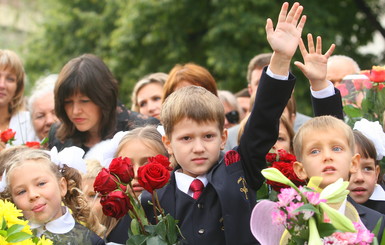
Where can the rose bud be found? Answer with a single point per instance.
(162, 160)
(105, 182)
(122, 167)
(7, 135)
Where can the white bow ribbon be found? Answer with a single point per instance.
(70, 156)
(3, 182)
(374, 132)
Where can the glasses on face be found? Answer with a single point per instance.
(232, 117)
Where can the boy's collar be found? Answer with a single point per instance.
(378, 194)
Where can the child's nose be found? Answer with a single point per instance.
(198, 146)
(33, 195)
(358, 176)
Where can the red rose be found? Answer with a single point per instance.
(153, 176)
(377, 74)
(122, 167)
(116, 204)
(162, 160)
(271, 157)
(33, 144)
(7, 135)
(286, 157)
(105, 182)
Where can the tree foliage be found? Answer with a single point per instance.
(137, 37)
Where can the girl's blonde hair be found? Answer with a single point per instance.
(74, 199)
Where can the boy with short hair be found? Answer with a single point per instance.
(324, 146)
(193, 120)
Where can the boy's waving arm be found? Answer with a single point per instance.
(274, 90)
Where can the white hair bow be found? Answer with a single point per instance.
(70, 156)
(374, 132)
(3, 182)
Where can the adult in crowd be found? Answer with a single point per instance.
(243, 98)
(86, 103)
(147, 94)
(13, 114)
(340, 66)
(189, 74)
(233, 112)
(41, 105)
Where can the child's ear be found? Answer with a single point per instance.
(167, 143)
(299, 170)
(63, 186)
(224, 138)
(378, 170)
(355, 163)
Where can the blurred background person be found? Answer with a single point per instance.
(41, 105)
(233, 112)
(340, 66)
(12, 108)
(147, 94)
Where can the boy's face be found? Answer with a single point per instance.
(196, 147)
(326, 153)
(363, 181)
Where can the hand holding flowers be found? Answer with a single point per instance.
(118, 199)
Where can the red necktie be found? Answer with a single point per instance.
(197, 188)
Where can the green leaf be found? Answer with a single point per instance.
(150, 229)
(156, 240)
(263, 192)
(137, 240)
(14, 229)
(135, 228)
(352, 112)
(18, 237)
(377, 227)
(307, 207)
(172, 235)
(161, 229)
(3, 233)
(325, 229)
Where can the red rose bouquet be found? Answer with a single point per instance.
(8, 136)
(118, 199)
(283, 161)
(363, 95)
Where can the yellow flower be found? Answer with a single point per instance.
(44, 241)
(11, 215)
(3, 241)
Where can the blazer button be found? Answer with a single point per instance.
(200, 205)
(201, 231)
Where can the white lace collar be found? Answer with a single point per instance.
(61, 225)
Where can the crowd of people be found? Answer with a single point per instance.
(211, 136)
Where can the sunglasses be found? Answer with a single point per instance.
(232, 117)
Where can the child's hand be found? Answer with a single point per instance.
(285, 38)
(315, 66)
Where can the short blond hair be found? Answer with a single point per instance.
(321, 123)
(192, 102)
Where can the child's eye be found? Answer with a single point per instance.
(157, 98)
(209, 136)
(368, 169)
(21, 192)
(67, 102)
(186, 138)
(42, 183)
(337, 148)
(280, 139)
(85, 101)
(314, 151)
(142, 104)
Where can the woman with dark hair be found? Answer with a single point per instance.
(86, 103)
(12, 111)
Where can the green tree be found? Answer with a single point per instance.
(137, 37)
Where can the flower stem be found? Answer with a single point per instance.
(154, 206)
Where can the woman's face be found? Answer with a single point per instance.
(149, 99)
(8, 86)
(83, 113)
(43, 114)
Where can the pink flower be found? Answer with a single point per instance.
(291, 213)
(343, 90)
(279, 217)
(313, 197)
(286, 196)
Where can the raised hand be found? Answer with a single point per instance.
(286, 36)
(315, 63)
